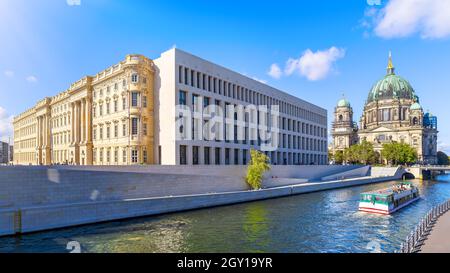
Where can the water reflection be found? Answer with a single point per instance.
(317, 222)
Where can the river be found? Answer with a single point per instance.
(320, 222)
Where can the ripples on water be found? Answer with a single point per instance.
(317, 222)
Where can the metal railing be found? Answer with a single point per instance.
(413, 242)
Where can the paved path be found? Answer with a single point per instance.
(439, 239)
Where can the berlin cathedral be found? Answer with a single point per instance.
(392, 113)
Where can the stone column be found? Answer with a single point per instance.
(72, 121)
(83, 121)
(89, 121)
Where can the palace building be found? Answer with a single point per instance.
(392, 113)
(130, 114)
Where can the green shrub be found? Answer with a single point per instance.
(258, 165)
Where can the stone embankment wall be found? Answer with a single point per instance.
(40, 198)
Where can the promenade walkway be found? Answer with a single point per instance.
(439, 239)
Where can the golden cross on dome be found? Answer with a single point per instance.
(390, 67)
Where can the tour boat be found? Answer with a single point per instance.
(388, 201)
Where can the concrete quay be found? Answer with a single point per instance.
(39, 198)
(438, 241)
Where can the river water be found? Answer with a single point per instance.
(318, 222)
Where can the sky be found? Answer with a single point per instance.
(316, 50)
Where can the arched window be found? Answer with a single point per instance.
(415, 121)
(341, 118)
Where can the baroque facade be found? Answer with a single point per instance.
(392, 113)
(128, 114)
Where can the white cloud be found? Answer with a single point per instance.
(9, 73)
(6, 128)
(73, 2)
(403, 18)
(314, 65)
(32, 79)
(275, 71)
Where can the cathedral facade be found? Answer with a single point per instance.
(392, 113)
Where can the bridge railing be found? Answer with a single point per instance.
(418, 235)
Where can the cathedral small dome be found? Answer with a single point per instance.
(416, 106)
(343, 103)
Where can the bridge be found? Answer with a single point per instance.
(425, 172)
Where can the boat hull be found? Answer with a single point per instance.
(385, 210)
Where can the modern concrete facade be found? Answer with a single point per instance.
(392, 113)
(129, 114)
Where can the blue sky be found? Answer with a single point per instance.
(321, 48)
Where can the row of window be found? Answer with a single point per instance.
(135, 102)
(112, 155)
(26, 131)
(104, 132)
(210, 83)
(213, 156)
(286, 123)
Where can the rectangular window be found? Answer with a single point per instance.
(116, 155)
(217, 156)
(108, 155)
(236, 156)
(94, 133)
(144, 129)
(134, 126)
(124, 156)
(183, 151)
(144, 155)
(134, 99)
(244, 157)
(182, 98)
(195, 155)
(116, 130)
(124, 103)
(134, 156)
(227, 156)
(124, 130)
(116, 106)
(101, 132)
(134, 78)
(207, 156)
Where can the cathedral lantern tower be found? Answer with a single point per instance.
(344, 129)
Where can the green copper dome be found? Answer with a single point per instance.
(343, 103)
(392, 87)
(416, 106)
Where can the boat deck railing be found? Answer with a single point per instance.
(415, 240)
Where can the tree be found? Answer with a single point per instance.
(362, 153)
(339, 157)
(443, 158)
(399, 153)
(259, 164)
